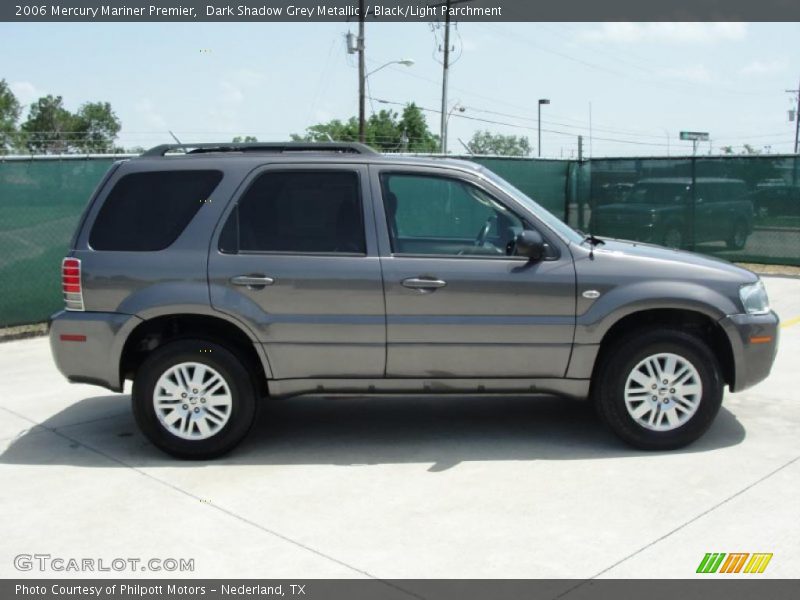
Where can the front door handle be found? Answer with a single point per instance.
(423, 283)
(255, 282)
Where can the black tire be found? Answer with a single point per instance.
(738, 237)
(621, 359)
(242, 392)
(673, 238)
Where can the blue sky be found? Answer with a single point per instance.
(211, 81)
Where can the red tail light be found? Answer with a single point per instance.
(71, 283)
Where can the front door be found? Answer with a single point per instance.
(295, 262)
(459, 303)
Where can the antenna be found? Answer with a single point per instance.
(175, 137)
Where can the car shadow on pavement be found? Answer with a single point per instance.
(356, 431)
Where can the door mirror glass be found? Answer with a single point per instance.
(530, 243)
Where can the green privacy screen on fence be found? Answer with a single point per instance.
(40, 202)
(744, 209)
(738, 208)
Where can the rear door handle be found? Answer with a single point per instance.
(423, 283)
(256, 282)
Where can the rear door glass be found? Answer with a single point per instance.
(148, 211)
(298, 212)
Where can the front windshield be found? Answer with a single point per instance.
(549, 219)
(659, 193)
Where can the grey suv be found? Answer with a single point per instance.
(235, 272)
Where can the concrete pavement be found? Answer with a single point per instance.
(400, 488)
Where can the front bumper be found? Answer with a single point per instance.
(87, 346)
(754, 341)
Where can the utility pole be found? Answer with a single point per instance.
(445, 67)
(796, 120)
(581, 208)
(362, 75)
(539, 125)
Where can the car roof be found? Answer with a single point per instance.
(688, 180)
(323, 153)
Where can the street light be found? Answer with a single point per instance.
(541, 101)
(456, 107)
(362, 85)
(406, 62)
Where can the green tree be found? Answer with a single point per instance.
(386, 131)
(247, 139)
(49, 126)
(9, 115)
(486, 142)
(95, 128)
(420, 138)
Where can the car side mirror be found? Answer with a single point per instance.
(531, 244)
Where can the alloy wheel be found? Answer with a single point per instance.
(663, 391)
(192, 401)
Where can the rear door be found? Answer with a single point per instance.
(293, 259)
(459, 304)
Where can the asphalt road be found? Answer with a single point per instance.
(400, 488)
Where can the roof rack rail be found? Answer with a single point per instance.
(269, 147)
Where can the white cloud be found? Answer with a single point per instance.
(150, 116)
(25, 91)
(758, 67)
(672, 33)
(230, 93)
(238, 82)
(322, 116)
(693, 73)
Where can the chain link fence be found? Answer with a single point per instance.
(40, 203)
(744, 209)
(737, 208)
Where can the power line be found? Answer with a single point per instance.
(515, 125)
(594, 66)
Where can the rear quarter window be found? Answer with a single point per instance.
(148, 211)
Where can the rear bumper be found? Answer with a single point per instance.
(754, 341)
(87, 346)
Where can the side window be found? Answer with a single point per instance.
(298, 212)
(717, 193)
(438, 215)
(148, 211)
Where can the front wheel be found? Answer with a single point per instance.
(659, 390)
(194, 399)
(673, 238)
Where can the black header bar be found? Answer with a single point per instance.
(397, 10)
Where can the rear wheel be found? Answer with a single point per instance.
(194, 399)
(738, 236)
(659, 389)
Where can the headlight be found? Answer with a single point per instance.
(754, 298)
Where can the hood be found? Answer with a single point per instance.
(627, 207)
(634, 211)
(674, 262)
